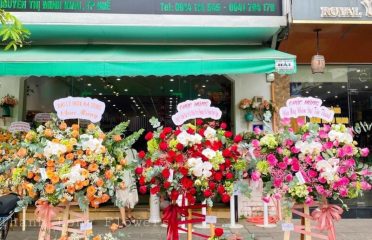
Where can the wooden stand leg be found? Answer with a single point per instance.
(306, 223)
(211, 225)
(24, 219)
(288, 219)
(189, 225)
(66, 214)
(88, 232)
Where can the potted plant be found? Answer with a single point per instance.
(6, 103)
(250, 107)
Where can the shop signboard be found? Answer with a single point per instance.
(306, 106)
(79, 108)
(193, 109)
(174, 7)
(19, 127)
(332, 10)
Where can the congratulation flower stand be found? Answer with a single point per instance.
(46, 213)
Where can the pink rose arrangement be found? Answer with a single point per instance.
(310, 164)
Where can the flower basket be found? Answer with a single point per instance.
(6, 110)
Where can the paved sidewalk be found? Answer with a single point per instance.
(347, 229)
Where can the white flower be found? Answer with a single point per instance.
(195, 138)
(192, 162)
(209, 153)
(328, 169)
(309, 148)
(54, 149)
(40, 129)
(210, 133)
(342, 137)
(187, 139)
(200, 168)
(183, 138)
(93, 144)
(267, 116)
(74, 175)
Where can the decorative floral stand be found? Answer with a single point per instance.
(46, 213)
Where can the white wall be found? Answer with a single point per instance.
(247, 86)
(13, 86)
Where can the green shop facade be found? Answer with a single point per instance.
(142, 58)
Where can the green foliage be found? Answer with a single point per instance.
(12, 32)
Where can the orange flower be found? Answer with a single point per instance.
(116, 138)
(30, 161)
(50, 163)
(85, 183)
(91, 127)
(80, 152)
(54, 179)
(83, 163)
(69, 148)
(102, 136)
(123, 161)
(77, 162)
(114, 227)
(49, 188)
(94, 203)
(61, 160)
(75, 133)
(70, 189)
(92, 167)
(79, 185)
(22, 152)
(70, 156)
(37, 178)
(63, 126)
(63, 238)
(50, 169)
(30, 136)
(99, 182)
(75, 127)
(84, 173)
(119, 167)
(91, 191)
(105, 198)
(88, 152)
(98, 237)
(108, 174)
(55, 140)
(103, 149)
(48, 133)
(30, 175)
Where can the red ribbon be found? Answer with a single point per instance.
(170, 216)
(45, 213)
(326, 216)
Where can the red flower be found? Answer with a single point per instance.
(163, 146)
(229, 175)
(178, 131)
(218, 176)
(143, 189)
(225, 198)
(165, 173)
(212, 185)
(148, 163)
(218, 232)
(238, 138)
(162, 135)
(201, 132)
(139, 170)
(179, 158)
(149, 136)
(174, 195)
(190, 131)
(222, 167)
(228, 134)
(141, 154)
(220, 189)
(183, 171)
(179, 147)
(192, 191)
(199, 122)
(226, 153)
(207, 193)
(223, 125)
(155, 190)
(227, 162)
(166, 185)
(142, 181)
(167, 130)
(186, 183)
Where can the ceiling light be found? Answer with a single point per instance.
(317, 61)
(353, 101)
(207, 80)
(138, 108)
(95, 89)
(199, 95)
(100, 94)
(336, 96)
(144, 115)
(109, 100)
(119, 110)
(170, 98)
(172, 80)
(126, 90)
(365, 86)
(343, 86)
(328, 91)
(131, 97)
(203, 86)
(307, 92)
(320, 86)
(89, 84)
(171, 90)
(104, 97)
(114, 105)
(316, 96)
(112, 86)
(141, 111)
(118, 79)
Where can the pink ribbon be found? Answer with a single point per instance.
(325, 216)
(45, 213)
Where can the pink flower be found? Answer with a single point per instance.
(266, 199)
(255, 143)
(343, 192)
(277, 196)
(279, 150)
(295, 166)
(288, 178)
(278, 182)
(342, 169)
(289, 142)
(271, 159)
(348, 150)
(255, 176)
(312, 173)
(282, 165)
(365, 173)
(295, 150)
(353, 177)
(320, 190)
(349, 163)
(322, 180)
(287, 160)
(309, 200)
(365, 186)
(300, 121)
(364, 152)
(341, 153)
(327, 128)
(308, 160)
(328, 145)
(322, 134)
(257, 130)
(285, 121)
(336, 143)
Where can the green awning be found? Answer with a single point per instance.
(117, 60)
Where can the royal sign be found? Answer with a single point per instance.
(19, 127)
(308, 106)
(79, 108)
(193, 109)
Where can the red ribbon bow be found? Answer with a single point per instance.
(326, 217)
(171, 218)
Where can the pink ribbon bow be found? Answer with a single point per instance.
(45, 213)
(326, 217)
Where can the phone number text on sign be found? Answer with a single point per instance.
(79, 108)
